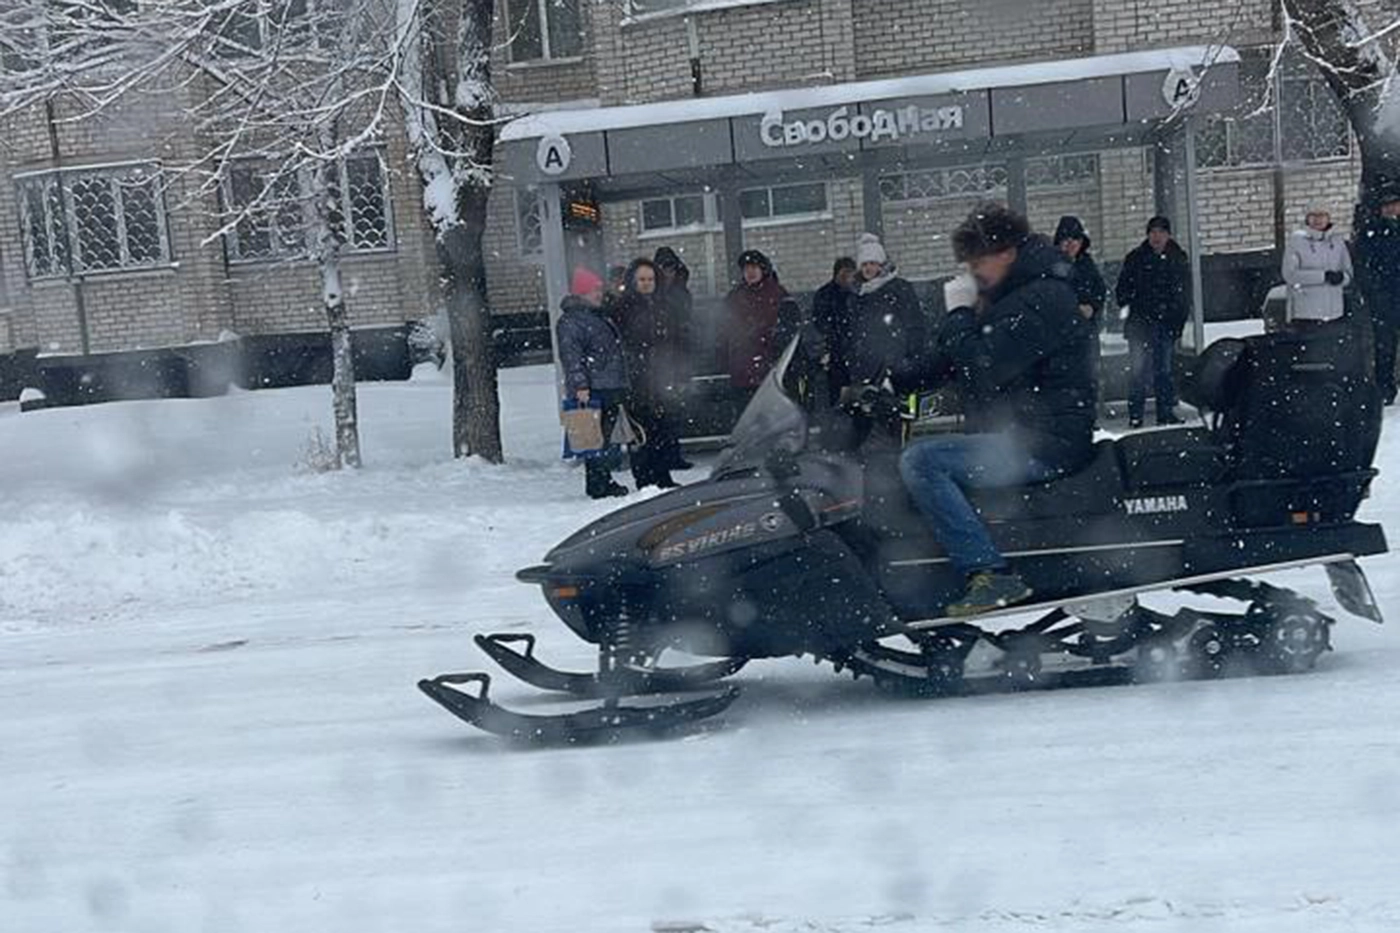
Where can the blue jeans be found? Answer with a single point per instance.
(1151, 360)
(937, 470)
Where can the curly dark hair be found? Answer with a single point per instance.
(992, 228)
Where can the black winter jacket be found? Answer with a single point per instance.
(887, 329)
(1023, 361)
(1154, 287)
(1378, 268)
(590, 348)
(1088, 284)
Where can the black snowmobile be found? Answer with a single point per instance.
(803, 541)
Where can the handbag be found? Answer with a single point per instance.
(627, 432)
(583, 429)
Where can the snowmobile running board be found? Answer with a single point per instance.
(1348, 581)
(606, 722)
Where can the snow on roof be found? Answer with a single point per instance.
(565, 122)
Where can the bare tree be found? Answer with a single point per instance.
(449, 105)
(289, 91)
(1351, 43)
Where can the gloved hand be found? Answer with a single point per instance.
(960, 292)
(1335, 277)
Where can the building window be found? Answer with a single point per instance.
(1312, 124)
(93, 220)
(274, 212)
(967, 181)
(681, 214)
(529, 224)
(783, 202)
(1293, 117)
(1064, 171)
(544, 29)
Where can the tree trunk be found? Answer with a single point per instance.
(476, 407)
(326, 250)
(1360, 74)
(343, 401)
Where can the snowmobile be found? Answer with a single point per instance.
(803, 540)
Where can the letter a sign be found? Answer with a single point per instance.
(1182, 88)
(554, 155)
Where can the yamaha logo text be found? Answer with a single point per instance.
(1156, 505)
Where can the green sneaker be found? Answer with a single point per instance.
(987, 592)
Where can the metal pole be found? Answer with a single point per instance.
(732, 215)
(556, 264)
(1193, 229)
(1016, 196)
(872, 202)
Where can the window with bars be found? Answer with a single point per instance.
(989, 180)
(541, 30)
(1294, 118)
(274, 213)
(938, 183)
(93, 220)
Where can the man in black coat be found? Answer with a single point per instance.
(1015, 342)
(833, 307)
(1378, 262)
(1154, 286)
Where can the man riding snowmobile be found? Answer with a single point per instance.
(1020, 352)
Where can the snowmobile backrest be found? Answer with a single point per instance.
(1301, 406)
(1214, 379)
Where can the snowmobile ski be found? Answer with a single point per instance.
(607, 721)
(535, 672)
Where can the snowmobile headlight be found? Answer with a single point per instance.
(563, 591)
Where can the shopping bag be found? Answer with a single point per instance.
(583, 429)
(627, 432)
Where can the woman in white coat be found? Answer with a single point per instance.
(1316, 268)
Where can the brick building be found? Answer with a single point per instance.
(117, 277)
(103, 251)
(1256, 165)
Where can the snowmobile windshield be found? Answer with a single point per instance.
(773, 421)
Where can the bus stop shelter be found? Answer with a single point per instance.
(863, 129)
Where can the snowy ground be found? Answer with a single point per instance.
(208, 722)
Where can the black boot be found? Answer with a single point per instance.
(609, 491)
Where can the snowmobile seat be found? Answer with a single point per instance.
(1079, 493)
(1172, 457)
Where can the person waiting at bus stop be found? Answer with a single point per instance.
(1152, 286)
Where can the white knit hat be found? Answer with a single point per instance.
(868, 249)
(1316, 207)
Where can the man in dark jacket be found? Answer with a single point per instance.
(832, 312)
(888, 328)
(1378, 262)
(595, 370)
(1153, 286)
(1019, 350)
